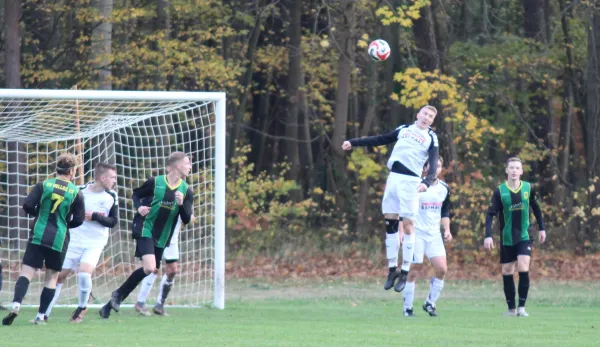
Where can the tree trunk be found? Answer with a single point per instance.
(345, 39)
(12, 60)
(238, 112)
(102, 45)
(593, 99)
(294, 84)
(161, 25)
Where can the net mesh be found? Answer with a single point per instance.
(136, 137)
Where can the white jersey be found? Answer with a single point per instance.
(91, 233)
(434, 204)
(413, 147)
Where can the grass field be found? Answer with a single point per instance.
(332, 313)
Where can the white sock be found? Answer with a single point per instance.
(392, 246)
(16, 306)
(409, 294)
(56, 295)
(146, 287)
(435, 289)
(164, 281)
(84, 281)
(408, 250)
(39, 316)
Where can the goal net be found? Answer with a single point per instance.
(136, 132)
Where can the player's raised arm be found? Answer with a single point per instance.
(113, 215)
(33, 200)
(378, 140)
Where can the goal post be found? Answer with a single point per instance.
(135, 131)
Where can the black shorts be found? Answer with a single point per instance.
(145, 246)
(36, 255)
(508, 254)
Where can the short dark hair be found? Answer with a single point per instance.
(512, 159)
(440, 159)
(175, 157)
(101, 169)
(65, 163)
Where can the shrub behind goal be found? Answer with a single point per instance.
(136, 132)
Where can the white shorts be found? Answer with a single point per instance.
(401, 196)
(78, 255)
(428, 245)
(171, 253)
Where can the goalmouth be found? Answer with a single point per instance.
(135, 131)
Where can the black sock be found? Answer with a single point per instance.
(523, 287)
(509, 290)
(132, 281)
(0, 277)
(393, 268)
(21, 289)
(45, 299)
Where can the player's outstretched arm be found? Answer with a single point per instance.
(33, 200)
(537, 212)
(378, 140)
(186, 209)
(113, 216)
(78, 211)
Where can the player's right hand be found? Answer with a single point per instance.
(143, 210)
(346, 146)
(488, 243)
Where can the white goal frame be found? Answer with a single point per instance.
(219, 98)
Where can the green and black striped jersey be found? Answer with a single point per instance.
(160, 222)
(513, 208)
(58, 206)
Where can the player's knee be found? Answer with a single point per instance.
(62, 277)
(441, 271)
(149, 268)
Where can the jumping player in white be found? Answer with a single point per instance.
(434, 207)
(415, 144)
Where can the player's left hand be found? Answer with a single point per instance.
(88, 215)
(422, 188)
(179, 198)
(447, 236)
(542, 236)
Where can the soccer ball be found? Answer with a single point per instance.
(379, 50)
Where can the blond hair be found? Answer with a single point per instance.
(175, 157)
(431, 108)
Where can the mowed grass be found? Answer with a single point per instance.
(337, 313)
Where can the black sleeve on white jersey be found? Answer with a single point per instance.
(33, 200)
(186, 210)
(535, 206)
(446, 204)
(378, 140)
(113, 215)
(145, 190)
(493, 210)
(433, 154)
(78, 211)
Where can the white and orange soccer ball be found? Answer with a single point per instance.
(379, 50)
